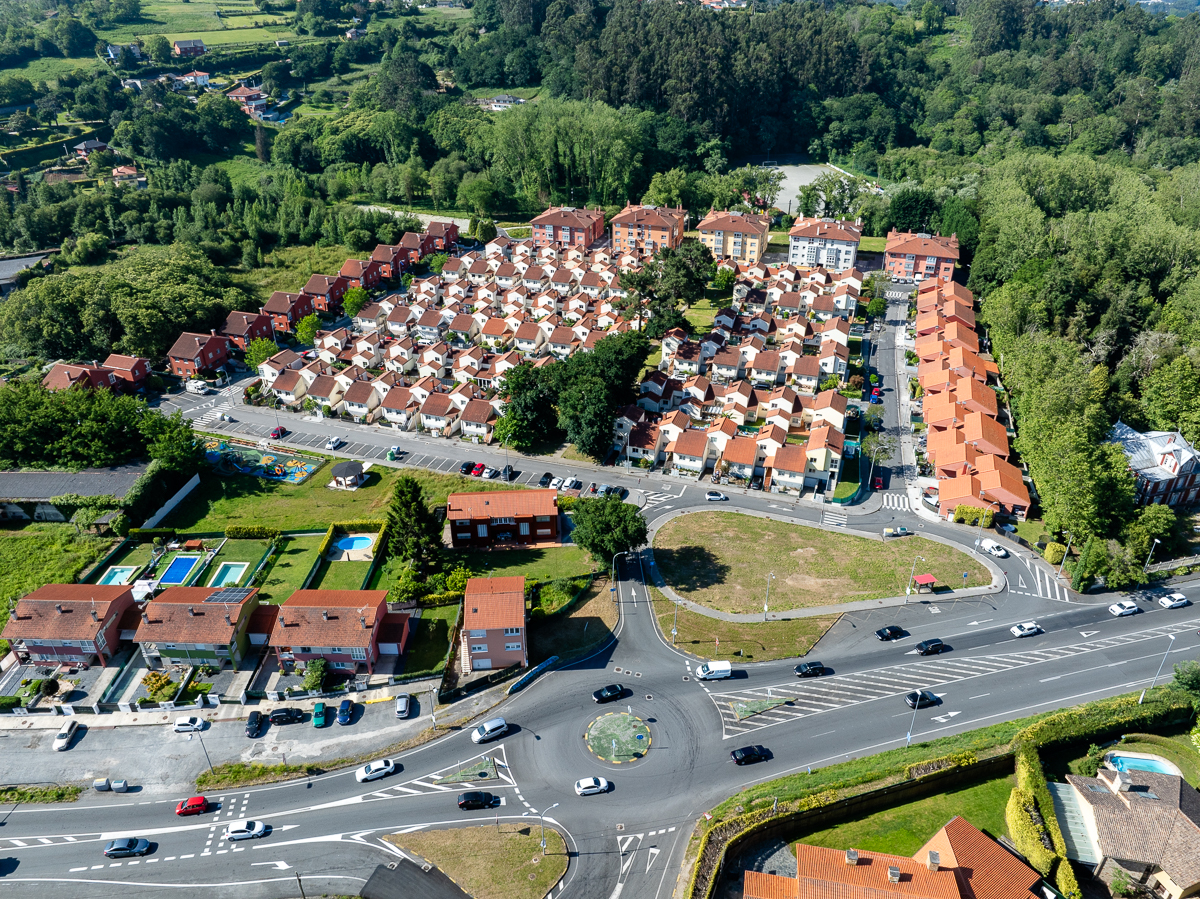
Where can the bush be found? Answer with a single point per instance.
(973, 516)
(1091, 763)
(10, 702)
(147, 535)
(314, 675)
(49, 687)
(955, 760)
(1107, 718)
(155, 681)
(1054, 553)
(1064, 879)
(1025, 832)
(567, 503)
(251, 532)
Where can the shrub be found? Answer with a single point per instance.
(955, 760)
(1064, 879)
(49, 687)
(314, 675)
(567, 503)
(973, 516)
(155, 681)
(1025, 832)
(1054, 553)
(147, 535)
(1107, 718)
(1091, 763)
(251, 532)
(10, 702)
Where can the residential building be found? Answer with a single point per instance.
(326, 292)
(365, 273)
(196, 625)
(416, 246)
(243, 327)
(253, 100)
(391, 260)
(133, 370)
(339, 626)
(282, 361)
(493, 628)
(361, 399)
(568, 226)
(444, 234)
(91, 145)
(827, 243)
(63, 376)
(477, 420)
(195, 353)
(192, 47)
(76, 624)
(647, 228)
(737, 236)
(200, 79)
(1164, 465)
(286, 309)
(910, 257)
(507, 516)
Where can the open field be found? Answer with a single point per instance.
(543, 564)
(294, 558)
(872, 244)
(587, 625)
(723, 559)
(287, 268)
(429, 640)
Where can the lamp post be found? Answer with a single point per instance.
(1150, 554)
(541, 821)
(913, 723)
(613, 577)
(675, 625)
(1070, 537)
(205, 748)
(770, 577)
(1171, 637)
(979, 539)
(911, 575)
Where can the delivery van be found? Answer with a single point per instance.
(714, 671)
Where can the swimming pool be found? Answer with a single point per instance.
(117, 574)
(347, 543)
(179, 569)
(229, 574)
(1141, 763)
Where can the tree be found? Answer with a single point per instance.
(171, 441)
(477, 194)
(259, 351)
(314, 675)
(456, 580)
(877, 308)
(353, 300)
(529, 417)
(306, 329)
(1187, 676)
(724, 280)
(49, 687)
(877, 446)
(605, 527)
(414, 533)
(435, 261)
(158, 48)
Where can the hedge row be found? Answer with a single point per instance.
(1032, 779)
(954, 760)
(147, 535)
(1105, 719)
(1027, 834)
(251, 532)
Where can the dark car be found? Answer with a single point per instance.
(930, 647)
(345, 711)
(809, 669)
(466, 468)
(254, 724)
(545, 480)
(476, 799)
(748, 755)
(285, 715)
(506, 473)
(609, 693)
(891, 632)
(126, 846)
(919, 699)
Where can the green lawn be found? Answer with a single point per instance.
(905, 829)
(292, 564)
(288, 268)
(574, 455)
(544, 564)
(429, 639)
(248, 551)
(340, 576)
(722, 559)
(851, 477)
(702, 312)
(585, 626)
(872, 244)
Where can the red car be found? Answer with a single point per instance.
(875, 392)
(278, 432)
(197, 805)
(478, 469)
(878, 483)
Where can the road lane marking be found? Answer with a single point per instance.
(77, 870)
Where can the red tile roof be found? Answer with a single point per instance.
(502, 504)
(493, 603)
(983, 868)
(39, 615)
(342, 618)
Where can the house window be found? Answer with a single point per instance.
(306, 649)
(512, 632)
(504, 521)
(543, 518)
(512, 647)
(357, 652)
(524, 529)
(482, 530)
(479, 647)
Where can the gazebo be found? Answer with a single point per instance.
(348, 474)
(924, 583)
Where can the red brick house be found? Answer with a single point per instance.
(243, 327)
(286, 309)
(493, 630)
(918, 257)
(65, 375)
(194, 353)
(647, 228)
(191, 47)
(417, 246)
(326, 292)
(339, 626)
(444, 234)
(516, 516)
(363, 273)
(568, 226)
(133, 370)
(391, 260)
(71, 623)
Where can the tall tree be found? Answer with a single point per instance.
(605, 527)
(414, 533)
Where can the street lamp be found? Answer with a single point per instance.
(770, 577)
(205, 748)
(675, 626)
(911, 575)
(1171, 637)
(1070, 537)
(613, 577)
(979, 539)
(1149, 554)
(913, 723)
(542, 821)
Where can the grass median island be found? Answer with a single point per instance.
(721, 560)
(504, 862)
(34, 794)
(242, 774)
(736, 641)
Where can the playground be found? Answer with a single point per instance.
(230, 458)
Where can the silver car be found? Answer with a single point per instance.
(245, 830)
(403, 706)
(66, 735)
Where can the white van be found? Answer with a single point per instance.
(714, 671)
(992, 548)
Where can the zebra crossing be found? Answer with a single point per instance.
(213, 414)
(429, 783)
(743, 711)
(834, 519)
(896, 501)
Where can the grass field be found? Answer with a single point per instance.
(722, 560)
(430, 639)
(702, 313)
(587, 625)
(340, 576)
(493, 863)
(248, 551)
(289, 268)
(872, 244)
(543, 564)
(49, 68)
(736, 641)
(905, 829)
(295, 557)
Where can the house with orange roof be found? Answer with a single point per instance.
(690, 451)
(493, 628)
(339, 626)
(829, 408)
(909, 257)
(1001, 480)
(648, 228)
(738, 236)
(956, 310)
(742, 457)
(976, 397)
(516, 516)
(957, 334)
(941, 411)
(823, 452)
(968, 364)
(567, 225)
(68, 623)
(988, 435)
(826, 242)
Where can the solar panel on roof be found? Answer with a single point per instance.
(231, 594)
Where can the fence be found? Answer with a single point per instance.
(1172, 564)
(169, 505)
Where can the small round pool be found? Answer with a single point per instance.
(348, 543)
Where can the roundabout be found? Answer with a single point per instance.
(618, 738)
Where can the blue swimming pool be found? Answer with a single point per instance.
(179, 569)
(347, 543)
(1128, 763)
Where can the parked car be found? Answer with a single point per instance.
(245, 830)
(992, 548)
(878, 482)
(253, 724)
(1123, 608)
(124, 847)
(278, 432)
(919, 699)
(876, 399)
(319, 715)
(590, 786)
(609, 693)
(374, 770)
(1174, 601)
(479, 469)
(1025, 629)
(490, 472)
(748, 755)
(285, 715)
(466, 468)
(556, 484)
(890, 632)
(573, 484)
(188, 724)
(333, 443)
(489, 730)
(809, 669)
(65, 735)
(475, 799)
(197, 805)
(506, 473)
(602, 491)
(930, 647)
(544, 480)
(403, 706)
(345, 711)
(715, 496)
(756, 483)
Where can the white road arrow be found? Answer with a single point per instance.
(282, 866)
(1088, 633)
(984, 621)
(946, 717)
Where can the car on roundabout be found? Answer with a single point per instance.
(931, 647)
(590, 786)
(715, 496)
(609, 693)
(476, 799)
(748, 755)
(375, 770)
(809, 669)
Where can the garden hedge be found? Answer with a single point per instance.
(146, 535)
(251, 532)
(1025, 833)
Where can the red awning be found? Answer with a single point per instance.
(925, 580)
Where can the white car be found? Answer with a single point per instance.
(490, 472)
(715, 496)
(245, 830)
(402, 705)
(374, 770)
(590, 786)
(187, 725)
(992, 548)
(1174, 601)
(573, 484)
(66, 735)
(558, 484)
(1025, 629)
(1123, 608)
(333, 443)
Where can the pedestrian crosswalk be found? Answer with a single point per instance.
(1038, 582)
(654, 499)
(834, 519)
(214, 413)
(752, 709)
(895, 501)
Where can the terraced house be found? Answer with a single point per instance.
(196, 626)
(77, 624)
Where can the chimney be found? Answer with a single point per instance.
(325, 615)
(58, 607)
(212, 331)
(191, 612)
(934, 862)
(146, 617)
(12, 613)
(851, 857)
(227, 621)
(282, 623)
(363, 622)
(94, 617)
(893, 874)
(1122, 782)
